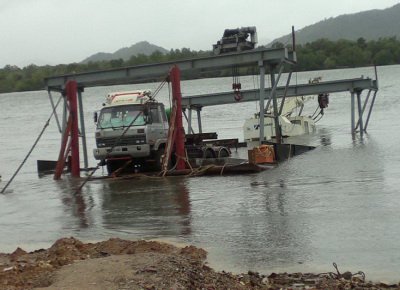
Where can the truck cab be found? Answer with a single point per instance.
(131, 131)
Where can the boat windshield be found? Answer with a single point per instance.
(121, 116)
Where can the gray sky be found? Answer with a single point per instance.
(56, 31)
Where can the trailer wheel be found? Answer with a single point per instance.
(223, 152)
(208, 153)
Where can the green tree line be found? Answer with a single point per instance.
(325, 54)
(317, 55)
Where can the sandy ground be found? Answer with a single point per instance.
(121, 264)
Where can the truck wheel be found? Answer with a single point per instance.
(159, 159)
(112, 166)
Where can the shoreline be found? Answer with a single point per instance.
(138, 264)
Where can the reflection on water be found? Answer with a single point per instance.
(77, 206)
(337, 203)
(325, 137)
(148, 207)
(159, 207)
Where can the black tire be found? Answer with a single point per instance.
(112, 166)
(208, 153)
(158, 156)
(223, 152)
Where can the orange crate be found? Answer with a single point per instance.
(262, 154)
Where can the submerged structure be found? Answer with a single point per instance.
(272, 60)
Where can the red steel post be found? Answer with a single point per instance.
(65, 147)
(179, 141)
(72, 91)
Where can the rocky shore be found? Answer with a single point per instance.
(122, 264)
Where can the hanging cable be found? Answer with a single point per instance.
(312, 116)
(160, 86)
(236, 85)
(34, 145)
(316, 121)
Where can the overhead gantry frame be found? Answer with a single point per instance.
(355, 86)
(272, 59)
(152, 72)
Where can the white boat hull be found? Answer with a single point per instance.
(290, 126)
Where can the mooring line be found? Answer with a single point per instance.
(78, 190)
(30, 151)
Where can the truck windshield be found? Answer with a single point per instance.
(121, 116)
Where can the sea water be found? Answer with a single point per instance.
(338, 203)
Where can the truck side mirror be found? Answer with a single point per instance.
(95, 117)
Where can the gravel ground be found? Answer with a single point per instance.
(121, 264)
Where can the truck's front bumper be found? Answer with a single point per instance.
(135, 151)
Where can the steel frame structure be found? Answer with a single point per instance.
(271, 60)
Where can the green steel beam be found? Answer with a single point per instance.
(142, 73)
(351, 85)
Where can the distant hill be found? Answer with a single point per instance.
(126, 53)
(371, 25)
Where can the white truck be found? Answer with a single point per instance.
(131, 132)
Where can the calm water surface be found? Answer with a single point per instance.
(339, 203)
